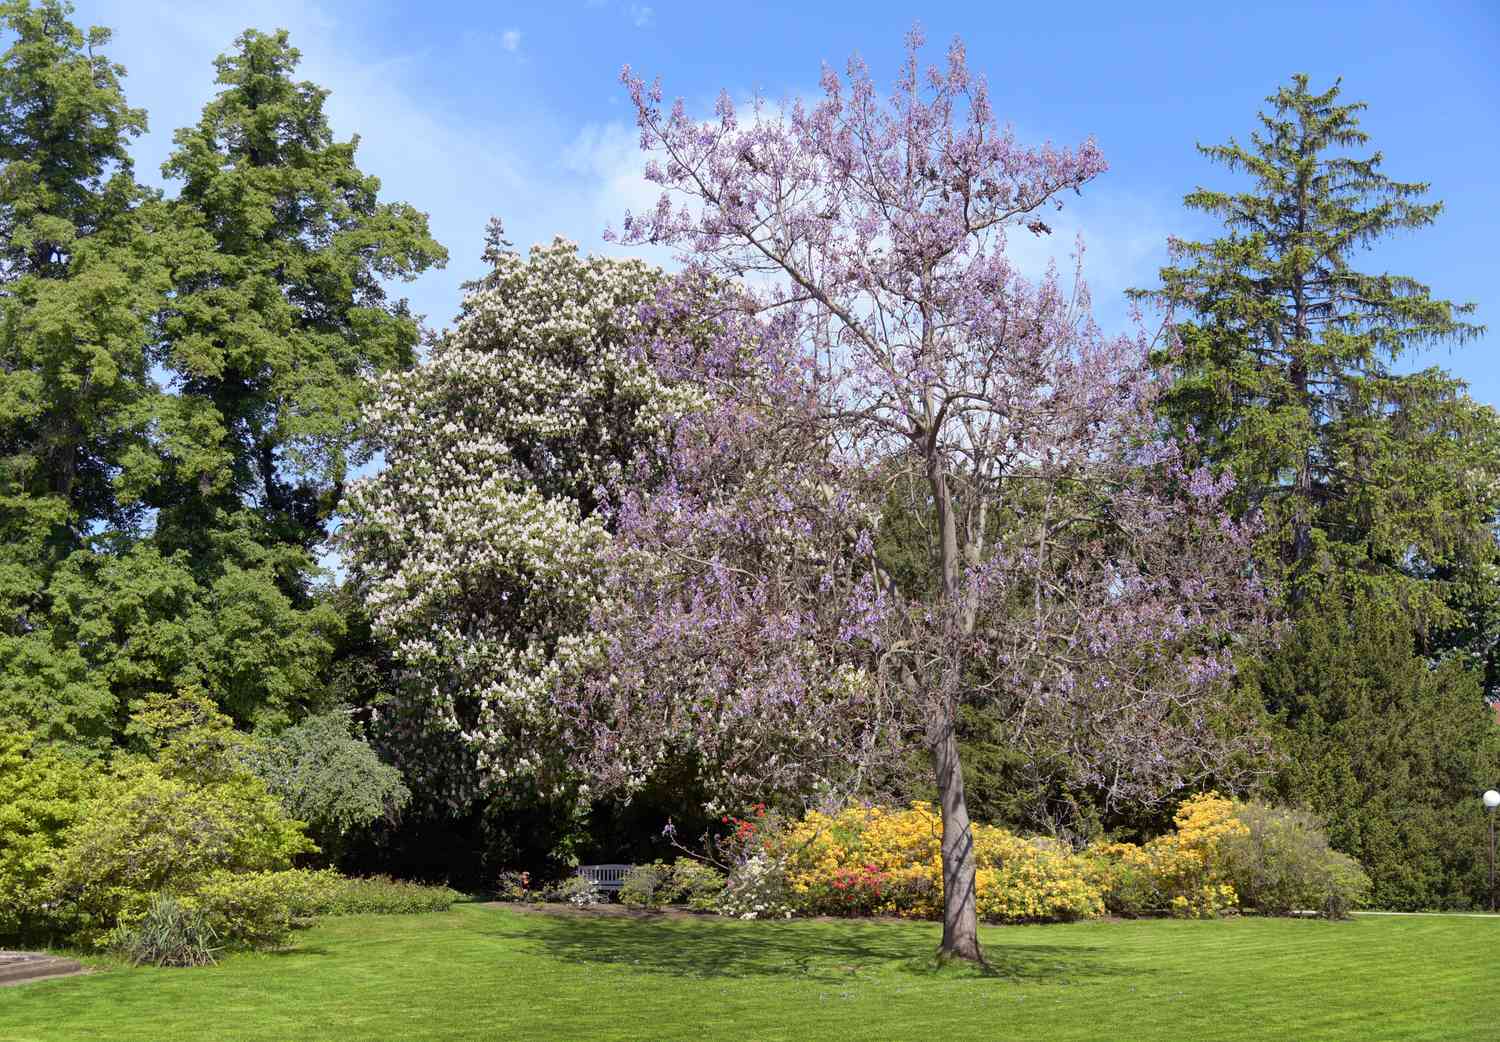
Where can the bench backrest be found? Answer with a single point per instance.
(605, 877)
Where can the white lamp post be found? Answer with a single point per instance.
(1491, 801)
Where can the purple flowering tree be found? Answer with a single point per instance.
(881, 345)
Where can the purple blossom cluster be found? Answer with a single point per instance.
(860, 339)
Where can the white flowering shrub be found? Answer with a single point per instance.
(477, 545)
(757, 889)
(580, 892)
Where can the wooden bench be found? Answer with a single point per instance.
(606, 878)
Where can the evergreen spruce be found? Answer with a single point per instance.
(1287, 362)
(1378, 487)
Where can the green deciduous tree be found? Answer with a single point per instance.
(326, 776)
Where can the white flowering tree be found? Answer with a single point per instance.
(477, 544)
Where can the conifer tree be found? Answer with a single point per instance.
(282, 316)
(80, 283)
(1288, 361)
(1378, 486)
(77, 289)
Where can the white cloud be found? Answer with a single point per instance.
(541, 178)
(461, 171)
(511, 40)
(640, 14)
(607, 166)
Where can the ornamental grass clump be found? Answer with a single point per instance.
(170, 933)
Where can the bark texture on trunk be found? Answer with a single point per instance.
(960, 914)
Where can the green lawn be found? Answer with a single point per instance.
(491, 973)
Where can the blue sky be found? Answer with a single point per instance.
(468, 109)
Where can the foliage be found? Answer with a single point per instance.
(646, 886)
(281, 314)
(693, 883)
(1286, 358)
(476, 546)
(78, 284)
(888, 861)
(748, 617)
(757, 888)
(170, 823)
(1225, 855)
(576, 890)
(513, 885)
(171, 932)
(81, 275)
(327, 777)
(259, 910)
(1377, 485)
(1182, 871)
(1385, 746)
(1282, 863)
(382, 895)
(42, 793)
(520, 825)
(180, 382)
(685, 881)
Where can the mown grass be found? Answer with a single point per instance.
(492, 973)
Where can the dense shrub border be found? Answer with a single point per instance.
(1222, 857)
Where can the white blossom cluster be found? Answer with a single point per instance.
(478, 545)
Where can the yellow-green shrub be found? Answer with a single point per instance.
(147, 833)
(42, 793)
(382, 895)
(1226, 854)
(169, 820)
(884, 861)
(261, 909)
(1182, 872)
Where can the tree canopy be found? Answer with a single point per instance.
(747, 614)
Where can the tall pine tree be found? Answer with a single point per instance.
(1379, 487)
(1287, 361)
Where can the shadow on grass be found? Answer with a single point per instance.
(710, 948)
(283, 953)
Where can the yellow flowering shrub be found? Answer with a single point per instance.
(888, 861)
(1182, 872)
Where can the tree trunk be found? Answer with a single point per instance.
(960, 914)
